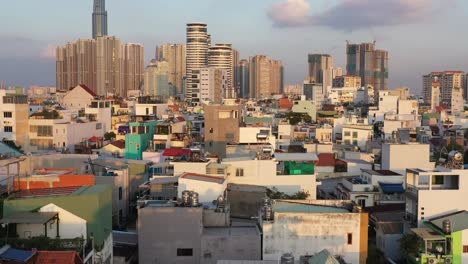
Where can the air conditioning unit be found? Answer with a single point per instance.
(448, 260)
(432, 260)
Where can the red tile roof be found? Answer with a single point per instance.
(87, 89)
(94, 139)
(177, 152)
(119, 144)
(326, 160)
(180, 118)
(53, 257)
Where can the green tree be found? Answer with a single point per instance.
(109, 135)
(295, 118)
(410, 244)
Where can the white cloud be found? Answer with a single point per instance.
(291, 13)
(355, 14)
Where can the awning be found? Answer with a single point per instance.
(392, 187)
(29, 218)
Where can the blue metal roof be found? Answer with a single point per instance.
(392, 187)
(12, 254)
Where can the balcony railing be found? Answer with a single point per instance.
(45, 243)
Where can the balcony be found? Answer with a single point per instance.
(161, 137)
(177, 144)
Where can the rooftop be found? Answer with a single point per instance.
(60, 191)
(50, 257)
(296, 156)
(300, 206)
(458, 221)
(391, 228)
(382, 172)
(202, 177)
(15, 255)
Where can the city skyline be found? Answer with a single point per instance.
(33, 51)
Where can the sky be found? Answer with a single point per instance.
(420, 35)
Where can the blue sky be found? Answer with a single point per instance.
(420, 35)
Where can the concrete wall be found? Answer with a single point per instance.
(399, 157)
(309, 233)
(207, 191)
(241, 243)
(194, 167)
(389, 244)
(441, 202)
(162, 230)
(70, 225)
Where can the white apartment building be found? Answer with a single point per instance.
(14, 114)
(357, 135)
(341, 95)
(435, 192)
(287, 172)
(214, 83)
(59, 133)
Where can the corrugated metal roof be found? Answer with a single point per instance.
(391, 228)
(458, 221)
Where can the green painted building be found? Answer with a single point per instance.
(139, 138)
(92, 203)
(443, 240)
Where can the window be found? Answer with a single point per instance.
(354, 134)
(465, 249)
(7, 114)
(7, 129)
(184, 252)
(438, 179)
(120, 193)
(355, 143)
(239, 172)
(350, 238)
(347, 133)
(98, 126)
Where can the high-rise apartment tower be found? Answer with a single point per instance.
(197, 57)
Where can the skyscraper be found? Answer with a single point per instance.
(174, 55)
(104, 64)
(110, 66)
(198, 41)
(157, 80)
(265, 76)
(99, 19)
(235, 68)
(243, 78)
(320, 68)
(220, 56)
(134, 67)
(371, 64)
(76, 64)
(447, 81)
